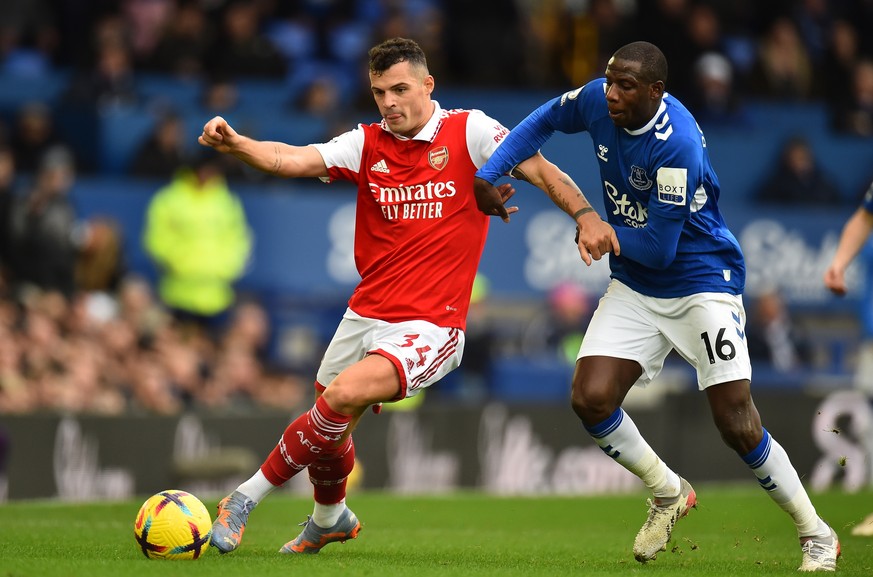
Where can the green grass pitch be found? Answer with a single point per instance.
(734, 531)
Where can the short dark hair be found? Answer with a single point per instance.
(385, 55)
(653, 63)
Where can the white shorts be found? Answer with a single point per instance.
(422, 352)
(706, 329)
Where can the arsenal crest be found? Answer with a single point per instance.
(438, 157)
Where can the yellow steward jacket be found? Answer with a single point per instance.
(199, 238)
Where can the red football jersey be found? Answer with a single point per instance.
(418, 233)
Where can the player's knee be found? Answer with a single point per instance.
(741, 435)
(590, 406)
(344, 398)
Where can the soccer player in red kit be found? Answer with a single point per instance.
(419, 236)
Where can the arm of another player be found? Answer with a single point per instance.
(854, 235)
(523, 142)
(275, 158)
(595, 237)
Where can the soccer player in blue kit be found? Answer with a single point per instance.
(676, 283)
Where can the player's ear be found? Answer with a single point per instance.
(656, 89)
(429, 84)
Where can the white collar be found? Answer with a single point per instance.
(428, 131)
(651, 122)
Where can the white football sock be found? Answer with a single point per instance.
(327, 515)
(770, 464)
(619, 438)
(257, 487)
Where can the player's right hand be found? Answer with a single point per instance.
(218, 134)
(597, 239)
(835, 280)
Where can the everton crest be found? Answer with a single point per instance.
(639, 179)
(438, 158)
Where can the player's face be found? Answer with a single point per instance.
(632, 100)
(402, 94)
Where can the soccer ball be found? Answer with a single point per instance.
(173, 525)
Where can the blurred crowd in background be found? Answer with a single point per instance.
(78, 333)
(720, 51)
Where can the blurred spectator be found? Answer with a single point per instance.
(248, 330)
(837, 69)
(243, 377)
(28, 36)
(111, 81)
(281, 391)
(467, 59)
(239, 50)
(183, 47)
(798, 179)
(772, 337)
(139, 310)
(220, 95)
(33, 134)
(197, 234)
(7, 182)
(704, 32)
(43, 350)
(666, 26)
(738, 21)
(714, 100)
(614, 27)
(163, 152)
(145, 22)
(328, 32)
(783, 70)
(45, 233)
(186, 357)
(321, 98)
(857, 117)
(15, 396)
(99, 263)
(564, 43)
(861, 15)
(813, 19)
(557, 332)
(150, 390)
(426, 22)
(82, 386)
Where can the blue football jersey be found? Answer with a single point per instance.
(661, 169)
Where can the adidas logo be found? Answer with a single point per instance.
(380, 167)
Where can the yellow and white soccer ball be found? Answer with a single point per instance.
(173, 525)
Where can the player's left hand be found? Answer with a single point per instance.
(491, 199)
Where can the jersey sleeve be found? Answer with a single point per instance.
(563, 113)
(484, 135)
(342, 155)
(677, 165)
(676, 162)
